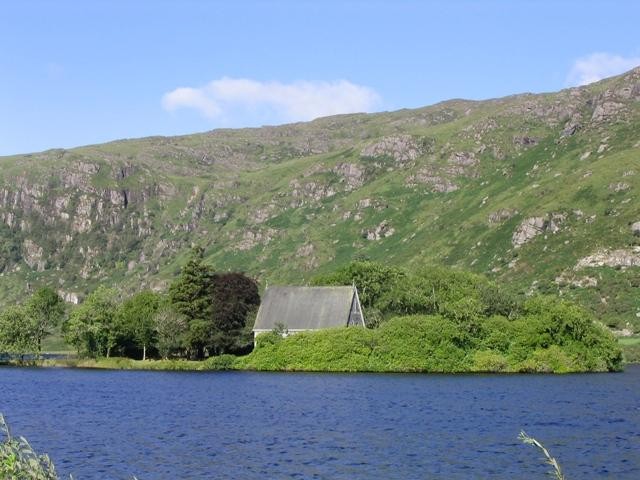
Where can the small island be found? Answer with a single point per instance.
(433, 320)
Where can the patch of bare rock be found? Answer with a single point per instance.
(440, 178)
(402, 148)
(383, 230)
(533, 226)
(502, 215)
(619, 258)
(253, 238)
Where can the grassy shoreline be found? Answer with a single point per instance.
(120, 363)
(232, 363)
(277, 356)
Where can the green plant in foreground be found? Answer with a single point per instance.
(18, 461)
(557, 471)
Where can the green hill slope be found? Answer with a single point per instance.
(536, 190)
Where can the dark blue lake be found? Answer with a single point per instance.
(156, 425)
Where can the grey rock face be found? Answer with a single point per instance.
(619, 186)
(383, 230)
(33, 255)
(402, 148)
(525, 141)
(434, 180)
(351, 173)
(606, 110)
(253, 238)
(534, 226)
(528, 229)
(612, 258)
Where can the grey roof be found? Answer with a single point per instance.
(304, 308)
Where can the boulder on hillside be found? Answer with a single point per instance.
(533, 226)
(527, 230)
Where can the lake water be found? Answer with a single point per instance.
(235, 425)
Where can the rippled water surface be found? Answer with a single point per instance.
(156, 425)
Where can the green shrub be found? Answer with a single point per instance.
(548, 360)
(489, 361)
(18, 461)
(220, 362)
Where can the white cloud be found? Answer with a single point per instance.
(597, 66)
(190, 98)
(297, 101)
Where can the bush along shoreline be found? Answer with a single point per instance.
(433, 320)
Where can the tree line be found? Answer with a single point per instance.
(203, 313)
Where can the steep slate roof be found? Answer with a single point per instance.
(304, 308)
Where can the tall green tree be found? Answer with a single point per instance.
(92, 326)
(191, 295)
(45, 310)
(135, 319)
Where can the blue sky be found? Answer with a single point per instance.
(76, 73)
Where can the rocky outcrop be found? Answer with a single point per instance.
(33, 255)
(619, 186)
(434, 181)
(440, 178)
(401, 148)
(351, 174)
(78, 176)
(528, 230)
(567, 279)
(611, 103)
(570, 128)
(620, 258)
(383, 230)
(69, 297)
(309, 192)
(635, 229)
(260, 215)
(606, 110)
(533, 226)
(525, 141)
(253, 238)
(306, 258)
(502, 215)
(82, 218)
(462, 164)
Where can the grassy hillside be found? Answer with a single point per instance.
(539, 191)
